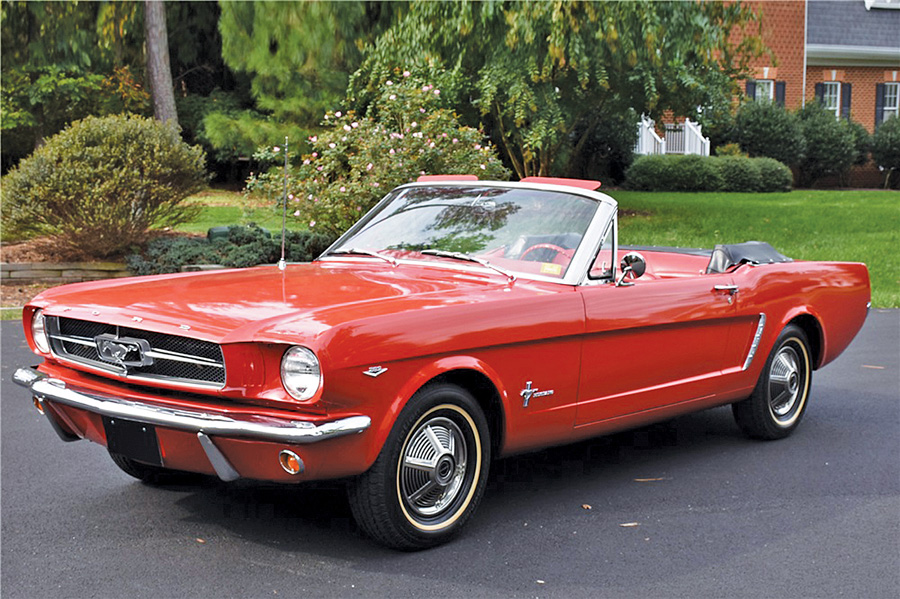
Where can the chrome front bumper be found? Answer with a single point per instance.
(204, 424)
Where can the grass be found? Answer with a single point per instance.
(852, 226)
(10, 314)
(220, 207)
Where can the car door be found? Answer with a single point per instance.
(657, 342)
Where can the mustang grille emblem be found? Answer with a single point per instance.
(127, 352)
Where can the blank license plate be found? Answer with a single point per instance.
(133, 440)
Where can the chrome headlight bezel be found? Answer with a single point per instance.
(39, 332)
(301, 373)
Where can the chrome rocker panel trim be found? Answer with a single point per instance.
(254, 427)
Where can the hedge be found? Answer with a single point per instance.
(707, 173)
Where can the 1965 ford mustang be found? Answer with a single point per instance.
(460, 320)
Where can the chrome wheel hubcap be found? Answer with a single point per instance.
(785, 382)
(433, 466)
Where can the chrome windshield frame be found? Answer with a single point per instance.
(577, 272)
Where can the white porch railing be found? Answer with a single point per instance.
(684, 138)
(648, 141)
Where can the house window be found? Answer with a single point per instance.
(831, 99)
(765, 90)
(891, 100)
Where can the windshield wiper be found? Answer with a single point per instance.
(362, 252)
(468, 258)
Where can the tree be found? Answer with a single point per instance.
(299, 57)
(766, 129)
(63, 61)
(830, 148)
(158, 69)
(886, 148)
(544, 75)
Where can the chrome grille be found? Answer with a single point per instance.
(174, 358)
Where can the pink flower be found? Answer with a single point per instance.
(318, 168)
(333, 145)
(338, 114)
(276, 149)
(443, 135)
(477, 146)
(291, 196)
(297, 213)
(426, 88)
(392, 97)
(346, 127)
(343, 189)
(391, 151)
(369, 166)
(315, 154)
(359, 208)
(455, 140)
(406, 73)
(375, 184)
(354, 125)
(312, 223)
(422, 110)
(483, 167)
(389, 82)
(413, 124)
(437, 92)
(431, 145)
(314, 138)
(306, 161)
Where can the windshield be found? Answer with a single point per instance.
(525, 231)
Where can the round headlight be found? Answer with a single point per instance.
(300, 373)
(39, 332)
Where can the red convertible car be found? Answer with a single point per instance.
(458, 321)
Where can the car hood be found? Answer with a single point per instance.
(266, 304)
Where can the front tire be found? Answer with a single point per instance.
(152, 475)
(778, 402)
(430, 474)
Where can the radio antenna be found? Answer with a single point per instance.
(284, 198)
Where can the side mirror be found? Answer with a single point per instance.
(633, 266)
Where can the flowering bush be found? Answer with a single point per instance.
(355, 161)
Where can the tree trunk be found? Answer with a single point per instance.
(158, 70)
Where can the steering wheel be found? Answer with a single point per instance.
(543, 246)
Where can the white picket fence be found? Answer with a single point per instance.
(686, 138)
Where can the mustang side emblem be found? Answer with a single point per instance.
(124, 351)
(374, 371)
(527, 393)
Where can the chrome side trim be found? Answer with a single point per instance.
(218, 460)
(251, 426)
(755, 344)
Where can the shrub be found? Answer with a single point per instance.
(829, 144)
(673, 173)
(357, 160)
(773, 175)
(862, 142)
(731, 149)
(886, 148)
(738, 173)
(767, 129)
(244, 246)
(100, 184)
(699, 173)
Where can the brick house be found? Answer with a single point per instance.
(844, 53)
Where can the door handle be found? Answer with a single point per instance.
(731, 289)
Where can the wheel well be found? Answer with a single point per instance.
(813, 331)
(485, 394)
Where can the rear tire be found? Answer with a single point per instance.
(778, 402)
(430, 474)
(153, 475)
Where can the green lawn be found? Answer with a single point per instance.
(229, 208)
(853, 226)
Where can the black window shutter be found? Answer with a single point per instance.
(845, 100)
(820, 92)
(779, 93)
(751, 89)
(879, 104)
